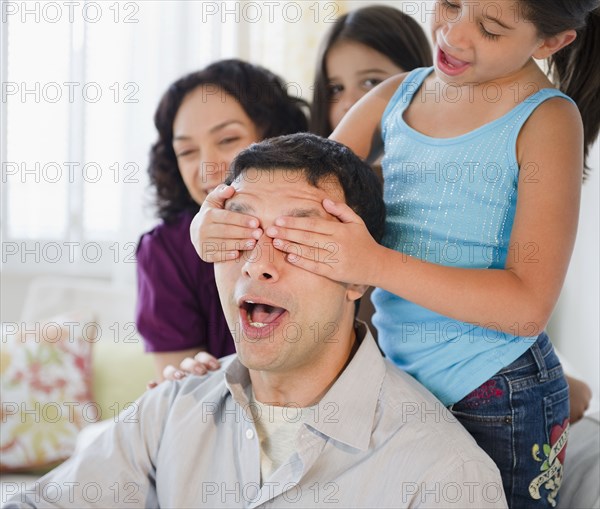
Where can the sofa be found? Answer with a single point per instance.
(98, 331)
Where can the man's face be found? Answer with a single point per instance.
(282, 318)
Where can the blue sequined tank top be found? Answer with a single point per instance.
(449, 201)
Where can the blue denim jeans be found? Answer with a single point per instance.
(520, 417)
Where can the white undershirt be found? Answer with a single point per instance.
(277, 428)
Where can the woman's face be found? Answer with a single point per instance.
(209, 130)
(352, 70)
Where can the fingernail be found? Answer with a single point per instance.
(280, 221)
(232, 255)
(253, 223)
(271, 232)
(249, 244)
(293, 258)
(277, 243)
(257, 234)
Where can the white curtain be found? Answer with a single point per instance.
(82, 83)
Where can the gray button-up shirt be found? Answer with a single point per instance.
(376, 439)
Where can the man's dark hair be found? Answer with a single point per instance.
(319, 160)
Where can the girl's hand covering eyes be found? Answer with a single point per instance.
(219, 235)
(340, 250)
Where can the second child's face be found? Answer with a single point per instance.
(209, 130)
(352, 70)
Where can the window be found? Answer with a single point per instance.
(65, 163)
(81, 81)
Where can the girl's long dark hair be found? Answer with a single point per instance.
(572, 68)
(382, 28)
(262, 95)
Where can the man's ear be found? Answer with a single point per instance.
(550, 45)
(355, 292)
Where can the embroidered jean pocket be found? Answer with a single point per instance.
(490, 403)
(549, 454)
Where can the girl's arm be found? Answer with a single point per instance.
(518, 299)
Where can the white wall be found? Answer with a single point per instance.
(575, 325)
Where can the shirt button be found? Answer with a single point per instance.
(249, 434)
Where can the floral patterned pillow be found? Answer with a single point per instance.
(45, 377)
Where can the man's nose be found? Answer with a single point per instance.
(264, 262)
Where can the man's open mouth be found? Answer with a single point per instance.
(259, 314)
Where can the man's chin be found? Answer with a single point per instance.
(259, 354)
(256, 362)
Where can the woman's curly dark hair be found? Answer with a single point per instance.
(262, 95)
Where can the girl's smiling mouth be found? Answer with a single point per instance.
(450, 65)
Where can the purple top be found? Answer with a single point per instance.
(178, 305)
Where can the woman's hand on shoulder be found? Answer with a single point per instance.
(199, 364)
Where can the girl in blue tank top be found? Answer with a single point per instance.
(482, 173)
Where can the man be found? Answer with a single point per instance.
(308, 413)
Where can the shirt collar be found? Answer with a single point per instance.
(346, 413)
(237, 380)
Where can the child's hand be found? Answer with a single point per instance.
(219, 234)
(342, 251)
